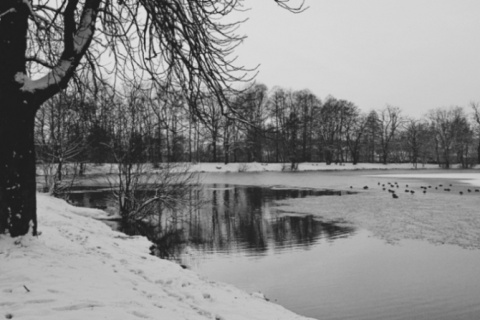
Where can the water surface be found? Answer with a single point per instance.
(322, 269)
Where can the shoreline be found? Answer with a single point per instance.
(78, 268)
(109, 168)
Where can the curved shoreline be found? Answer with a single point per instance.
(78, 268)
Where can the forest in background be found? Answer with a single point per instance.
(142, 124)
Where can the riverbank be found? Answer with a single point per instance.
(102, 169)
(304, 166)
(78, 268)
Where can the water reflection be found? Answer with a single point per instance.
(293, 263)
(229, 219)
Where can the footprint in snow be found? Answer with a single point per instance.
(40, 301)
(79, 306)
(139, 315)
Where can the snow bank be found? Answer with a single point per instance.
(471, 178)
(95, 213)
(105, 169)
(78, 268)
(305, 166)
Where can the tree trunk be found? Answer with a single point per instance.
(385, 155)
(478, 153)
(17, 167)
(226, 145)
(214, 149)
(446, 154)
(190, 157)
(59, 170)
(169, 153)
(355, 158)
(328, 157)
(17, 114)
(354, 154)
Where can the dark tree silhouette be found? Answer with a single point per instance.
(44, 44)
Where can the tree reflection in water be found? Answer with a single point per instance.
(234, 219)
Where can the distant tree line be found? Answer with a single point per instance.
(161, 125)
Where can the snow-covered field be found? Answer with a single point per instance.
(305, 166)
(269, 167)
(78, 268)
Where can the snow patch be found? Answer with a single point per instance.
(471, 178)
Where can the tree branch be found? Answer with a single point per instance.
(75, 47)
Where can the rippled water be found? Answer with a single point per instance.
(359, 277)
(321, 269)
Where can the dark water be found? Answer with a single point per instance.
(225, 219)
(322, 269)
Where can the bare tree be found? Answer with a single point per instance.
(278, 106)
(252, 106)
(371, 136)
(476, 115)
(418, 139)
(330, 126)
(355, 128)
(451, 134)
(390, 121)
(309, 106)
(58, 141)
(44, 43)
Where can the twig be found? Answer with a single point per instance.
(29, 7)
(28, 290)
(11, 10)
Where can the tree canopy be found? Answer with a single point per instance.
(45, 44)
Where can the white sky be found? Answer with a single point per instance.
(414, 54)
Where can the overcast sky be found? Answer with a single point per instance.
(414, 54)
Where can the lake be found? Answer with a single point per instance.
(319, 268)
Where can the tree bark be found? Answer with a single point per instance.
(17, 113)
(17, 167)
(20, 98)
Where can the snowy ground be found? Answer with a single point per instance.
(80, 269)
(305, 166)
(269, 167)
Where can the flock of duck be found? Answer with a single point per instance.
(393, 188)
